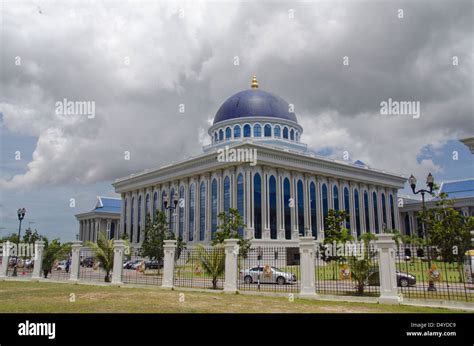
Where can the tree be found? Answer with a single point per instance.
(449, 230)
(212, 261)
(230, 223)
(361, 267)
(104, 253)
(31, 236)
(156, 233)
(335, 233)
(53, 251)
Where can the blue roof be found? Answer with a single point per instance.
(254, 103)
(458, 189)
(108, 205)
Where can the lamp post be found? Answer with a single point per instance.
(21, 215)
(429, 183)
(170, 207)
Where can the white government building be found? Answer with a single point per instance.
(282, 193)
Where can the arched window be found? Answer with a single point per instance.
(312, 204)
(221, 134)
(192, 206)
(226, 194)
(257, 130)
(292, 135)
(297, 136)
(392, 211)
(155, 203)
(215, 137)
(125, 217)
(147, 207)
(357, 212)
(384, 211)
(213, 208)
(132, 219)
(407, 225)
(299, 187)
(273, 206)
(247, 130)
(236, 131)
(171, 211)
(202, 211)
(228, 133)
(257, 205)
(181, 205)
(139, 218)
(240, 200)
(285, 132)
(324, 195)
(163, 195)
(376, 214)
(366, 211)
(267, 131)
(277, 131)
(346, 207)
(287, 207)
(335, 192)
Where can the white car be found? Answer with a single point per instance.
(61, 265)
(267, 274)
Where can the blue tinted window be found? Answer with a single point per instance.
(273, 207)
(277, 131)
(299, 187)
(335, 192)
(287, 208)
(124, 218)
(240, 200)
(366, 210)
(347, 207)
(215, 137)
(181, 212)
(191, 211)
(237, 131)
(226, 194)
(324, 194)
(285, 132)
(257, 130)
(155, 203)
(376, 214)
(392, 211)
(407, 225)
(221, 135)
(171, 211)
(257, 204)
(247, 130)
(292, 134)
(384, 211)
(357, 212)
(267, 131)
(132, 218)
(213, 208)
(202, 211)
(228, 133)
(312, 196)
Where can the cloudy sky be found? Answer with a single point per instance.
(139, 60)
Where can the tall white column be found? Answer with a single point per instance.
(119, 249)
(37, 266)
(307, 257)
(6, 246)
(75, 260)
(386, 249)
(231, 266)
(168, 263)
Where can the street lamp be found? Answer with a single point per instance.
(170, 207)
(430, 184)
(21, 215)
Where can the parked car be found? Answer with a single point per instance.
(130, 264)
(87, 262)
(267, 274)
(137, 264)
(153, 264)
(61, 265)
(29, 263)
(403, 279)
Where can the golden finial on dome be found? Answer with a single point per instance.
(254, 84)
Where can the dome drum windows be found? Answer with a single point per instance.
(257, 130)
(237, 131)
(228, 133)
(267, 130)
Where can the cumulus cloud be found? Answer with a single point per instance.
(139, 61)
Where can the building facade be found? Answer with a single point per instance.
(257, 165)
(105, 218)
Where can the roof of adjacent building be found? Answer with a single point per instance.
(254, 103)
(458, 188)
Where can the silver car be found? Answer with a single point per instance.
(267, 274)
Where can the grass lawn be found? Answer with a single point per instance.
(35, 297)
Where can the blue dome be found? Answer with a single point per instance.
(254, 103)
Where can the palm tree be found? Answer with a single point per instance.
(104, 253)
(211, 260)
(53, 251)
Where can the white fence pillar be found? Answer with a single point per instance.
(168, 263)
(307, 267)
(119, 250)
(38, 264)
(386, 247)
(6, 246)
(231, 266)
(76, 260)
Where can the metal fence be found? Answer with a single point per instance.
(141, 270)
(24, 266)
(200, 268)
(60, 270)
(348, 271)
(270, 269)
(90, 269)
(415, 271)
